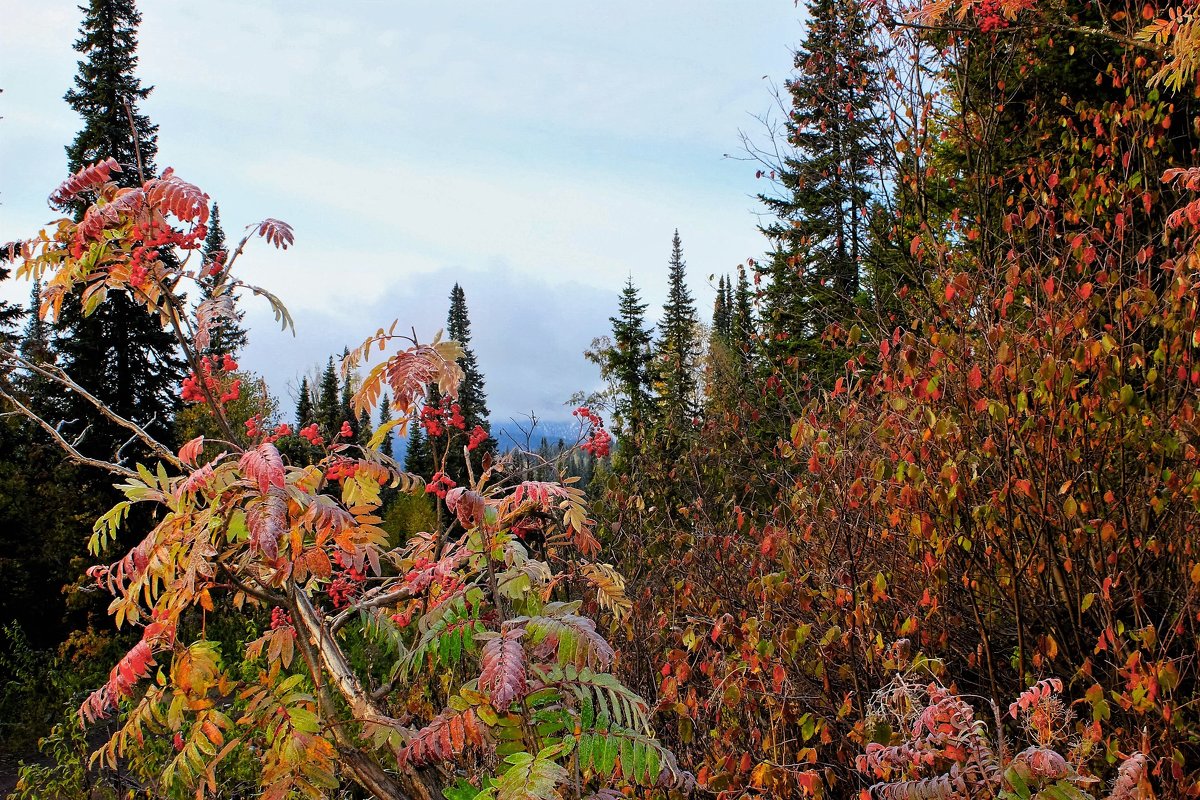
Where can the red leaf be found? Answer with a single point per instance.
(88, 177)
(178, 197)
(267, 520)
(276, 232)
(446, 736)
(503, 675)
(263, 465)
(190, 451)
(975, 378)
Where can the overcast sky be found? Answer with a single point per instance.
(535, 152)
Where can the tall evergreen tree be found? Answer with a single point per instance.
(678, 349)
(629, 362)
(385, 416)
(39, 392)
(723, 311)
(120, 354)
(305, 410)
(419, 458)
(472, 398)
(741, 322)
(347, 406)
(228, 335)
(329, 403)
(820, 239)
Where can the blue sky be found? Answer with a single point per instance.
(535, 152)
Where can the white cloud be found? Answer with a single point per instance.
(546, 150)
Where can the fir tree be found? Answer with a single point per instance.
(329, 404)
(228, 336)
(347, 406)
(741, 323)
(820, 239)
(385, 416)
(723, 312)
(305, 411)
(120, 354)
(35, 346)
(678, 349)
(628, 361)
(472, 398)
(419, 458)
(364, 432)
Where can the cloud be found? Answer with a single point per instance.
(528, 337)
(541, 151)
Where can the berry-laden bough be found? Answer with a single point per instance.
(488, 677)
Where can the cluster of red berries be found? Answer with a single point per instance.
(313, 434)
(347, 583)
(254, 430)
(342, 468)
(436, 419)
(280, 619)
(439, 484)
(478, 435)
(209, 378)
(346, 431)
(599, 443)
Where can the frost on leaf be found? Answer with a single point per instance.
(267, 520)
(209, 314)
(264, 466)
(88, 177)
(503, 675)
(176, 196)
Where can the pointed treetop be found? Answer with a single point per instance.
(107, 92)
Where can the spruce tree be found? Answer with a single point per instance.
(741, 323)
(347, 405)
(419, 458)
(723, 312)
(820, 239)
(385, 416)
(628, 361)
(120, 354)
(305, 411)
(363, 434)
(329, 403)
(678, 349)
(472, 398)
(35, 346)
(228, 336)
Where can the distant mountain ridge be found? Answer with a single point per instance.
(522, 434)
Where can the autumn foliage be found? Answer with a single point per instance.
(487, 677)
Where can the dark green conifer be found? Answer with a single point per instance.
(678, 349)
(628, 362)
(329, 403)
(821, 237)
(741, 323)
(385, 416)
(419, 458)
(723, 312)
(472, 398)
(305, 411)
(120, 354)
(228, 336)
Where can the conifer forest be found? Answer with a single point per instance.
(911, 511)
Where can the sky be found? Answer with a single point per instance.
(537, 153)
